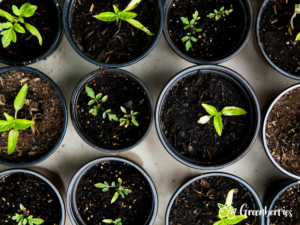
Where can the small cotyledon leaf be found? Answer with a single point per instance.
(21, 97)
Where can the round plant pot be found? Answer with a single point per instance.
(56, 42)
(74, 114)
(7, 173)
(266, 148)
(255, 198)
(72, 190)
(67, 20)
(249, 20)
(253, 112)
(6, 162)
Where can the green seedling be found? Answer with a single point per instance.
(124, 15)
(218, 14)
(227, 111)
(120, 190)
(296, 11)
(192, 30)
(12, 25)
(99, 100)
(14, 124)
(127, 117)
(297, 37)
(116, 222)
(23, 219)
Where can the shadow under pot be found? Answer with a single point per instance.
(34, 36)
(113, 41)
(213, 198)
(221, 137)
(33, 116)
(31, 195)
(208, 31)
(112, 189)
(280, 132)
(112, 111)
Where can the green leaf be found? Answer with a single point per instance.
(36, 221)
(215, 11)
(91, 102)
(120, 180)
(186, 27)
(123, 109)
(233, 111)
(185, 38)
(105, 182)
(8, 117)
(218, 223)
(21, 97)
(21, 19)
(185, 20)
(122, 123)
(204, 119)
(210, 109)
(135, 122)
(104, 115)
(96, 110)
(217, 17)
(27, 10)
(22, 207)
(108, 111)
(14, 35)
(116, 195)
(98, 96)
(23, 124)
(127, 15)
(132, 5)
(140, 26)
(188, 45)
(218, 124)
(188, 34)
(105, 189)
(5, 125)
(116, 9)
(106, 16)
(235, 220)
(229, 197)
(7, 15)
(107, 221)
(12, 141)
(25, 221)
(211, 15)
(135, 113)
(192, 22)
(19, 28)
(100, 185)
(127, 191)
(90, 92)
(16, 10)
(193, 39)
(113, 184)
(113, 117)
(222, 9)
(34, 32)
(127, 122)
(298, 37)
(221, 206)
(8, 36)
(198, 29)
(6, 25)
(104, 99)
(195, 15)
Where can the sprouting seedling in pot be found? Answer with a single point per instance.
(127, 117)
(227, 212)
(124, 15)
(14, 124)
(226, 111)
(297, 11)
(99, 100)
(218, 14)
(116, 222)
(12, 25)
(120, 190)
(192, 30)
(23, 219)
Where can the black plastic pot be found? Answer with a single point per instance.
(248, 187)
(263, 132)
(7, 173)
(249, 18)
(67, 17)
(49, 51)
(254, 115)
(65, 115)
(72, 189)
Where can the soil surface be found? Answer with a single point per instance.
(27, 46)
(182, 109)
(94, 205)
(121, 91)
(278, 40)
(42, 106)
(217, 38)
(111, 42)
(289, 200)
(198, 203)
(283, 131)
(38, 198)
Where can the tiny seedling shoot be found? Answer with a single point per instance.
(298, 37)
(23, 219)
(192, 30)
(127, 117)
(218, 14)
(227, 111)
(120, 190)
(124, 15)
(116, 222)
(227, 212)
(297, 11)
(14, 124)
(13, 25)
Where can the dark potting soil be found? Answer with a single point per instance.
(283, 131)
(111, 42)
(42, 105)
(289, 200)
(217, 38)
(182, 109)
(121, 91)
(34, 194)
(198, 202)
(27, 46)
(94, 205)
(278, 40)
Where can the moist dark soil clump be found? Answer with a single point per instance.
(198, 203)
(35, 194)
(27, 46)
(278, 40)
(217, 38)
(111, 42)
(94, 205)
(121, 91)
(42, 105)
(283, 131)
(182, 109)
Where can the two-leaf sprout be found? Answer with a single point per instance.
(26, 10)
(14, 124)
(23, 219)
(124, 15)
(116, 222)
(218, 14)
(226, 111)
